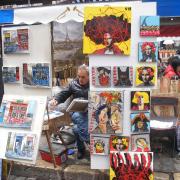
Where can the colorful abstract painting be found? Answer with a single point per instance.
(119, 143)
(17, 113)
(140, 100)
(99, 145)
(16, 41)
(37, 75)
(11, 74)
(146, 76)
(105, 112)
(131, 166)
(140, 142)
(107, 30)
(148, 52)
(149, 25)
(20, 146)
(122, 76)
(140, 122)
(101, 76)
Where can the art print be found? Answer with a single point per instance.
(107, 30)
(11, 74)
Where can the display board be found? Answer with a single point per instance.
(138, 9)
(19, 143)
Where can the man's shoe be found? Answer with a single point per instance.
(80, 154)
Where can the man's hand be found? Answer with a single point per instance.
(53, 102)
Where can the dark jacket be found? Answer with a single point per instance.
(74, 89)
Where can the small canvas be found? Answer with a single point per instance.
(101, 76)
(36, 75)
(10, 74)
(140, 100)
(99, 145)
(20, 146)
(148, 52)
(119, 143)
(140, 122)
(16, 41)
(17, 113)
(122, 76)
(140, 142)
(105, 112)
(149, 26)
(107, 30)
(131, 166)
(146, 76)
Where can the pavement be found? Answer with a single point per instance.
(165, 168)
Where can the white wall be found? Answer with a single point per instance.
(40, 52)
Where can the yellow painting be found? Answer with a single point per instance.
(146, 76)
(107, 30)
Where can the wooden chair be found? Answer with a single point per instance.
(163, 110)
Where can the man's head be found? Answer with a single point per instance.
(83, 74)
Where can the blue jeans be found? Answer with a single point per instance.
(80, 129)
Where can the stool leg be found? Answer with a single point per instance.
(50, 148)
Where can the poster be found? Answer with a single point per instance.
(131, 165)
(11, 74)
(106, 112)
(16, 41)
(36, 74)
(149, 26)
(107, 30)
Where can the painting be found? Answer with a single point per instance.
(67, 48)
(107, 30)
(122, 76)
(36, 74)
(20, 146)
(119, 143)
(148, 52)
(99, 145)
(131, 165)
(17, 114)
(16, 41)
(146, 76)
(140, 100)
(10, 74)
(140, 122)
(101, 76)
(105, 112)
(149, 26)
(140, 142)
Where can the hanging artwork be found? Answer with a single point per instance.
(149, 25)
(17, 113)
(140, 142)
(99, 145)
(16, 41)
(146, 76)
(10, 74)
(37, 75)
(20, 146)
(131, 165)
(119, 143)
(107, 30)
(105, 112)
(122, 76)
(101, 76)
(148, 52)
(140, 100)
(67, 45)
(140, 122)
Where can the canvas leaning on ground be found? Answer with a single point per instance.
(106, 112)
(20, 146)
(36, 75)
(16, 41)
(17, 113)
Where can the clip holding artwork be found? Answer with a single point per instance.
(107, 30)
